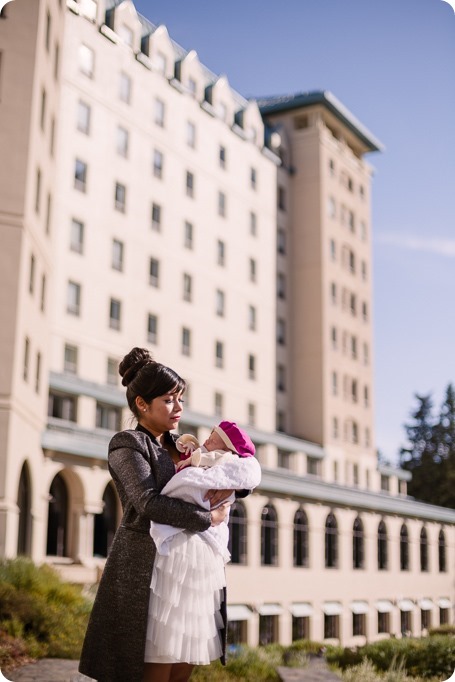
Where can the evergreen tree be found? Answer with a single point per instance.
(444, 438)
(418, 457)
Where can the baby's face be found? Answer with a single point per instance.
(214, 442)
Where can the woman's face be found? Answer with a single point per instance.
(162, 413)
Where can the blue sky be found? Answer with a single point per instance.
(391, 62)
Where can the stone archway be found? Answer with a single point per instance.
(24, 503)
(57, 521)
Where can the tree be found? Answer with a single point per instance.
(444, 438)
(418, 457)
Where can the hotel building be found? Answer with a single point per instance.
(145, 202)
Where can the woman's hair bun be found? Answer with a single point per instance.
(132, 363)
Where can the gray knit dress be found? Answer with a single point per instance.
(113, 649)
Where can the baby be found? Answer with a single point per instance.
(226, 441)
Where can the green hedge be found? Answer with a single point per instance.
(37, 608)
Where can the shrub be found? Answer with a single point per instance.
(50, 616)
(442, 630)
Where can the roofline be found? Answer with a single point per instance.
(332, 103)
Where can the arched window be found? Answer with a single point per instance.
(382, 547)
(300, 538)
(423, 549)
(237, 533)
(442, 552)
(57, 518)
(24, 503)
(105, 523)
(331, 541)
(404, 548)
(269, 536)
(358, 544)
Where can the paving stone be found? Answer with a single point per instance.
(47, 670)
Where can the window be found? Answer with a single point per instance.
(218, 405)
(159, 112)
(238, 533)
(120, 197)
(284, 459)
(160, 63)
(351, 221)
(281, 241)
(281, 378)
(251, 367)
(117, 255)
(383, 622)
(219, 354)
(220, 303)
(112, 372)
(189, 184)
(152, 329)
(281, 198)
(334, 383)
(126, 34)
(442, 562)
(222, 156)
(358, 624)
(253, 178)
(26, 367)
(70, 359)
(365, 312)
(154, 272)
(404, 548)
(38, 191)
(77, 236)
(187, 287)
(354, 391)
(52, 135)
(281, 286)
(220, 252)
(331, 542)
(86, 61)
(281, 331)
(186, 341)
(385, 483)
(252, 270)
(158, 161)
(334, 337)
(62, 406)
(73, 298)
(424, 550)
(333, 250)
(269, 536)
(253, 224)
(352, 262)
(331, 207)
(31, 275)
(188, 232)
(47, 39)
(281, 421)
(301, 545)
(192, 86)
(268, 630)
(367, 438)
(108, 417)
(191, 134)
(222, 204)
(122, 142)
(332, 167)
(425, 619)
(365, 354)
(252, 318)
(115, 312)
(300, 628)
(355, 432)
(353, 347)
(80, 175)
(38, 372)
(333, 293)
(363, 231)
(406, 622)
(83, 117)
(364, 271)
(43, 109)
(56, 60)
(335, 428)
(382, 547)
(353, 304)
(358, 544)
(156, 217)
(125, 88)
(251, 414)
(43, 293)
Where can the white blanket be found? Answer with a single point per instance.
(192, 483)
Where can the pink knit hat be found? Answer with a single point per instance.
(235, 438)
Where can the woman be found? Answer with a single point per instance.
(141, 462)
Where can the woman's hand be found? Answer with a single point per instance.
(217, 497)
(219, 514)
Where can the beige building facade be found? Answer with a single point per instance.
(145, 202)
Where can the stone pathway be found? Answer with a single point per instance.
(58, 670)
(47, 670)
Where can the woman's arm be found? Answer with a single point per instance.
(129, 466)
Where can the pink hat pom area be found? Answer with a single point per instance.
(235, 438)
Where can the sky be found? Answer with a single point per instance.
(391, 63)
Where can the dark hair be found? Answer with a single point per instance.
(145, 378)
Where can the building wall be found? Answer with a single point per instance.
(275, 276)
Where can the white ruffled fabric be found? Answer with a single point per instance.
(191, 484)
(184, 611)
